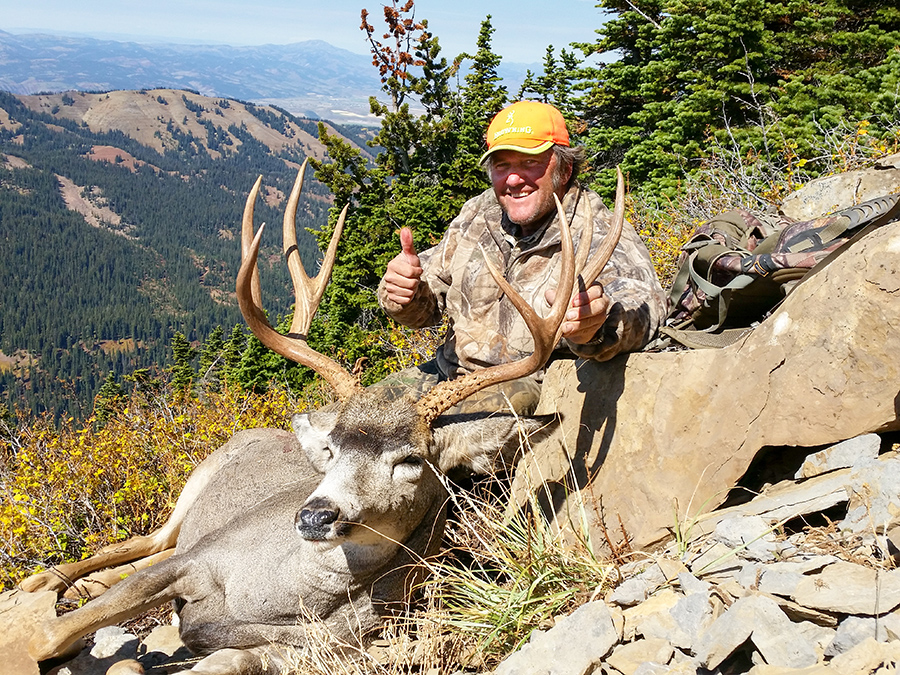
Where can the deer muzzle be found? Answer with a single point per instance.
(320, 520)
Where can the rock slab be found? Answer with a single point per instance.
(655, 439)
(571, 647)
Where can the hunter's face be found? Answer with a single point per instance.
(524, 186)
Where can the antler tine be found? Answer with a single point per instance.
(309, 290)
(247, 237)
(590, 273)
(292, 346)
(544, 332)
(587, 237)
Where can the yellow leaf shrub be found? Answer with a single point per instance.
(66, 492)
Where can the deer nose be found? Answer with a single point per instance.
(314, 520)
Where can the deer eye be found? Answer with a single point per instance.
(408, 468)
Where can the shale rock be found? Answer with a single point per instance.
(572, 647)
(710, 604)
(655, 439)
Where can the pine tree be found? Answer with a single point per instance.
(555, 85)
(756, 74)
(211, 360)
(484, 94)
(182, 371)
(426, 169)
(144, 382)
(232, 351)
(109, 400)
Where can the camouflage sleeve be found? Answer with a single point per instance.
(424, 309)
(428, 303)
(638, 302)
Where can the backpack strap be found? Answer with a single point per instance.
(877, 212)
(718, 297)
(699, 339)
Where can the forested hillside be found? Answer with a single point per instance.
(118, 218)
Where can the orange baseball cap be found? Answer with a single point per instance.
(527, 126)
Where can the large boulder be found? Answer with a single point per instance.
(828, 194)
(651, 439)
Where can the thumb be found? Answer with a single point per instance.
(406, 243)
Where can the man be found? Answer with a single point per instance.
(529, 159)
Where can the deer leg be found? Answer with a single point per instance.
(150, 588)
(236, 662)
(99, 582)
(63, 576)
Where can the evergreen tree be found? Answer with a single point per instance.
(144, 382)
(182, 369)
(426, 169)
(109, 400)
(232, 351)
(211, 360)
(555, 84)
(758, 74)
(260, 367)
(484, 94)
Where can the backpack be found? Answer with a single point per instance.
(736, 268)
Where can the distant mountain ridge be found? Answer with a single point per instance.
(311, 78)
(120, 216)
(43, 63)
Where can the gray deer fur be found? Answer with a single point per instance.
(330, 519)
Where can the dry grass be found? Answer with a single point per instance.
(507, 575)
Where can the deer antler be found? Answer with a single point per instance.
(545, 332)
(590, 273)
(307, 292)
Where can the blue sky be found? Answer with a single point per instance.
(523, 28)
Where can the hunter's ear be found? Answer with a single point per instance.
(312, 430)
(478, 442)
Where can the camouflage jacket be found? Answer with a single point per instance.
(485, 329)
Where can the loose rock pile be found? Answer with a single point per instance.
(735, 596)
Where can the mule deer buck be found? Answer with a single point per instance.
(276, 531)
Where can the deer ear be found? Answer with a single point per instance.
(312, 430)
(478, 442)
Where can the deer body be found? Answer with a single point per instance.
(325, 524)
(280, 533)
